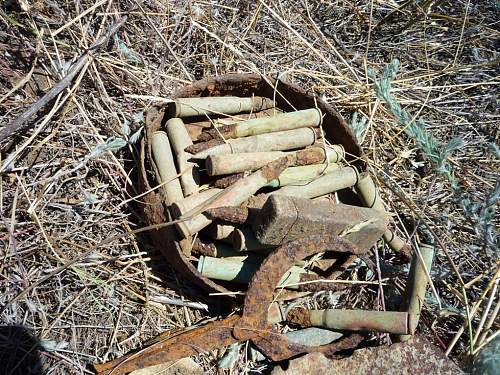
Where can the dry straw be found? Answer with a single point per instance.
(96, 304)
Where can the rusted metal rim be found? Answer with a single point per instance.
(288, 97)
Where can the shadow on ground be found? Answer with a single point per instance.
(19, 352)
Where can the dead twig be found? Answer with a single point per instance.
(20, 123)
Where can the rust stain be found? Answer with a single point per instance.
(207, 249)
(227, 181)
(232, 215)
(226, 131)
(300, 316)
(311, 155)
(202, 146)
(256, 201)
(275, 168)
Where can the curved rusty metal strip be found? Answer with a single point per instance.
(254, 325)
(184, 344)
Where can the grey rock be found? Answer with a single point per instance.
(416, 356)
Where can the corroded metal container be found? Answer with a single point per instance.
(288, 97)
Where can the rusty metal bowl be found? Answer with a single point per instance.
(286, 95)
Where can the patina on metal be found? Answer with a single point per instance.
(179, 139)
(416, 285)
(286, 96)
(165, 165)
(279, 141)
(339, 179)
(218, 105)
(222, 164)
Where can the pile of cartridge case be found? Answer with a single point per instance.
(241, 177)
(245, 152)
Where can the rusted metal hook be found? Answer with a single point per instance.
(252, 325)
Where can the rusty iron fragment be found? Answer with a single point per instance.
(233, 215)
(172, 347)
(252, 325)
(311, 283)
(395, 322)
(227, 181)
(311, 336)
(282, 121)
(285, 218)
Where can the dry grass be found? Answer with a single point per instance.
(57, 203)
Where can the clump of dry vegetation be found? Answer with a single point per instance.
(71, 275)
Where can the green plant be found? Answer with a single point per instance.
(481, 214)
